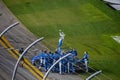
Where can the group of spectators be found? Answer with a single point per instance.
(47, 59)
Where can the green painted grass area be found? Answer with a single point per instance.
(88, 25)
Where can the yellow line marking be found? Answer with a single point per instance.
(26, 61)
(16, 57)
(7, 42)
(38, 77)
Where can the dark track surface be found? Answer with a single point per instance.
(7, 63)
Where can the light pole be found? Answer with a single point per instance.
(16, 65)
(8, 28)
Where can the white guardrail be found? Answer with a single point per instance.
(8, 28)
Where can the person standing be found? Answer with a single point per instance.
(46, 56)
(21, 50)
(71, 60)
(63, 63)
(62, 35)
(55, 57)
(86, 60)
(42, 58)
(50, 57)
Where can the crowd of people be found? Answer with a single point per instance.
(47, 59)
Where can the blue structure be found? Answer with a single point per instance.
(42, 58)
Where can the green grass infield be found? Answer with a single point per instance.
(88, 25)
